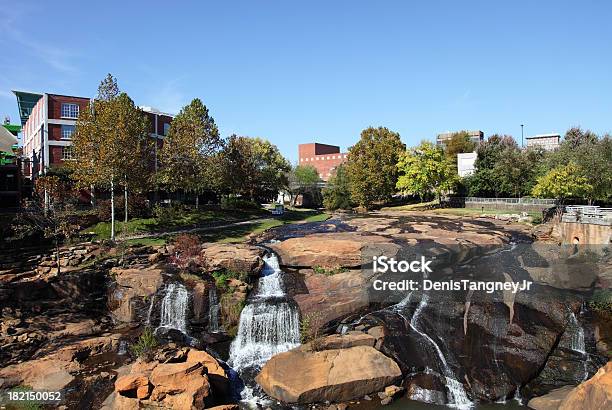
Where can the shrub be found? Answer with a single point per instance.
(145, 345)
(601, 301)
(222, 277)
(328, 271)
(166, 215)
(186, 248)
(239, 203)
(310, 329)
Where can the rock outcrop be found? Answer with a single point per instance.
(128, 300)
(232, 257)
(328, 375)
(593, 394)
(187, 379)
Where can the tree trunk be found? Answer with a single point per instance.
(93, 195)
(125, 204)
(112, 193)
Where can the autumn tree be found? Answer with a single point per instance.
(189, 149)
(460, 142)
(426, 169)
(372, 165)
(112, 147)
(252, 168)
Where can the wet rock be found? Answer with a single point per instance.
(342, 341)
(334, 375)
(126, 299)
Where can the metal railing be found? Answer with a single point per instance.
(587, 214)
(511, 201)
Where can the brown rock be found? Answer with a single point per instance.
(131, 382)
(594, 394)
(329, 375)
(216, 374)
(182, 385)
(143, 392)
(332, 250)
(233, 257)
(343, 341)
(552, 400)
(132, 284)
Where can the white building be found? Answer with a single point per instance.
(466, 163)
(549, 142)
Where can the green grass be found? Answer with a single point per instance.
(186, 220)
(421, 206)
(480, 211)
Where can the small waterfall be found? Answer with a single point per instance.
(213, 311)
(268, 325)
(577, 336)
(174, 307)
(457, 395)
(150, 311)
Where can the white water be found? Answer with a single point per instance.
(457, 395)
(150, 310)
(577, 343)
(268, 324)
(174, 307)
(213, 311)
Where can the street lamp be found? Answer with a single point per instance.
(522, 143)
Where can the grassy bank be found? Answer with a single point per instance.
(469, 212)
(232, 234)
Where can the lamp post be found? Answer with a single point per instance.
(522, 143)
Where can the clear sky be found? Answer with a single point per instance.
(304, 71)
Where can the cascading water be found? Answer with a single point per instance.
(268, 325)
(174, 307)
(577, 343)
(150, 311)
(213, 311)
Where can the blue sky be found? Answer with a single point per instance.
(296, 72)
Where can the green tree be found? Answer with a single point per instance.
(372, 165)
(112, 147)
(460, 142)
(426, 169)
(189, 150)
(563, 182)
(304, 180)
(337, 192)
(516, 170)
(486, 180)
(252, 168)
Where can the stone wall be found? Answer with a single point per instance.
(584, 234)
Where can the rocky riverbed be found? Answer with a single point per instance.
(310, 283)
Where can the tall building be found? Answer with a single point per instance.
(48, 121)
(325, 158)
(476, 136)
(549, 142)
(466, 163)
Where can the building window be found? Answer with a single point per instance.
(67, 131)
(67, 153)
(70, 110)
(166, 128)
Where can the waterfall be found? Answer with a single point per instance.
(150, 311)
(577, 336)
(268, 324)
(174, 307)
(457, 395)
(577, 343)
(213, 311)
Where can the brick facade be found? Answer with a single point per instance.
(325, 158)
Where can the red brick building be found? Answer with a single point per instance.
(325, 158)
(48, 121)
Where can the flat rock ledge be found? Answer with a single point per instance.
(330, 375)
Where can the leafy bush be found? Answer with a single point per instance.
(145, 345)
(238, 203)
(166, 215)
(601, 301)
(186, 248)
(328, 271)
(222, 277)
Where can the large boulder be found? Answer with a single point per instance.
(593, 394)
(232, 257)
(329, 375)
(333, 250)
(133, 288)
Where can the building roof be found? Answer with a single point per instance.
(154, 110)
(26, 101)
(543, 136)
